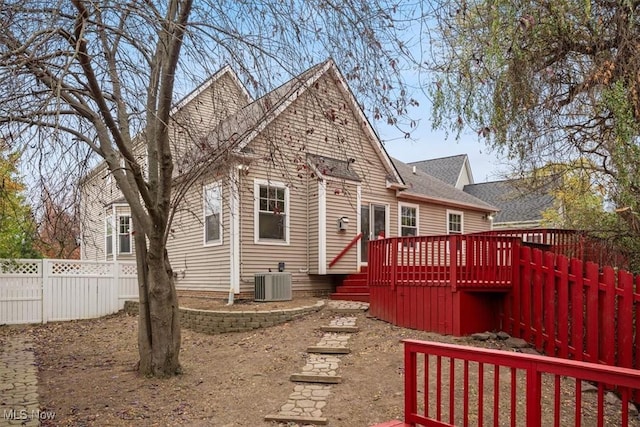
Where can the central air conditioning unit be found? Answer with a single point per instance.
(272, 286)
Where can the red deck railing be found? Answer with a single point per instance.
(415, 281)
(345, 249)
(459, 261)
(447, 385)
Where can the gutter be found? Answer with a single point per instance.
(444, 202)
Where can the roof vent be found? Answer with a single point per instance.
(414, 169)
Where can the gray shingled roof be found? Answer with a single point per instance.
(446, 169)
(516, 202)
(328, 166)
(427, 185)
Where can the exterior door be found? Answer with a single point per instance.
(373, 225)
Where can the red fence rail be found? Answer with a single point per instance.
(570, 243)
(448, 385)
(575, 310)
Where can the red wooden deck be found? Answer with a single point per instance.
(536, 285)
(447, 284)
(472, 283)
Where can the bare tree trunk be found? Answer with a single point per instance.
(159, 322)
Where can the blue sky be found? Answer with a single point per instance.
(426, 143)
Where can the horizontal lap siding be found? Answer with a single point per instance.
(96, 193)
(347, 139)
(475, 222)
(203, 113)
(433, 220)
(313, 225)
(259, 257)
(199, 267)
(196, 120)
(341, 201)
(319, 122)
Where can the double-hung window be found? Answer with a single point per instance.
(108, 242)
(408, 220)
(124, 234)
(454, 222)
(272, 212)
(212, 199)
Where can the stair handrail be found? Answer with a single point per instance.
(345, 249)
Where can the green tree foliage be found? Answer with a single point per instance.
(17, 226)
(579, 202)
(547, 81)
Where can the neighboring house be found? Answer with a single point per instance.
(308, 174)
(520, 205)
(454, 170)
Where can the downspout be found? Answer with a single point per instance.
(306, 270)
(114, 232)
(240, 263)
(240, 192)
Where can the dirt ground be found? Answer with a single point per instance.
(87, 377)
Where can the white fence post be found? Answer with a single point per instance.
(115, 287)
(46, 291)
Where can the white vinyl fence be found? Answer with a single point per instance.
(46, 290)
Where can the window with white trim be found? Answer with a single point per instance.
(454, 222)
(108, 237)
(272, 212)
(408, 220)
(124, 234)
(212, 200)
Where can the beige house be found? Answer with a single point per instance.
(306, 175)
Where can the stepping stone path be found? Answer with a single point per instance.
(18, 384)
(313, 384)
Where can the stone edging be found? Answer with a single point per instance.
(220, 321)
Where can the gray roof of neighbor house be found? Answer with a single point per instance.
(426, 185)
(516, 201)
(446, 169)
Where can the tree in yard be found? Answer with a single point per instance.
(58, 229)
(547, 82)
(579, 202)
(17, 225)
(102, 76)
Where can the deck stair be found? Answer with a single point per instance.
(353, 288)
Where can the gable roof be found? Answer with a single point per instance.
(225, 70)
(241, 128)
(516, 204)
(424, 186)
(207, 83)
(447, 169)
